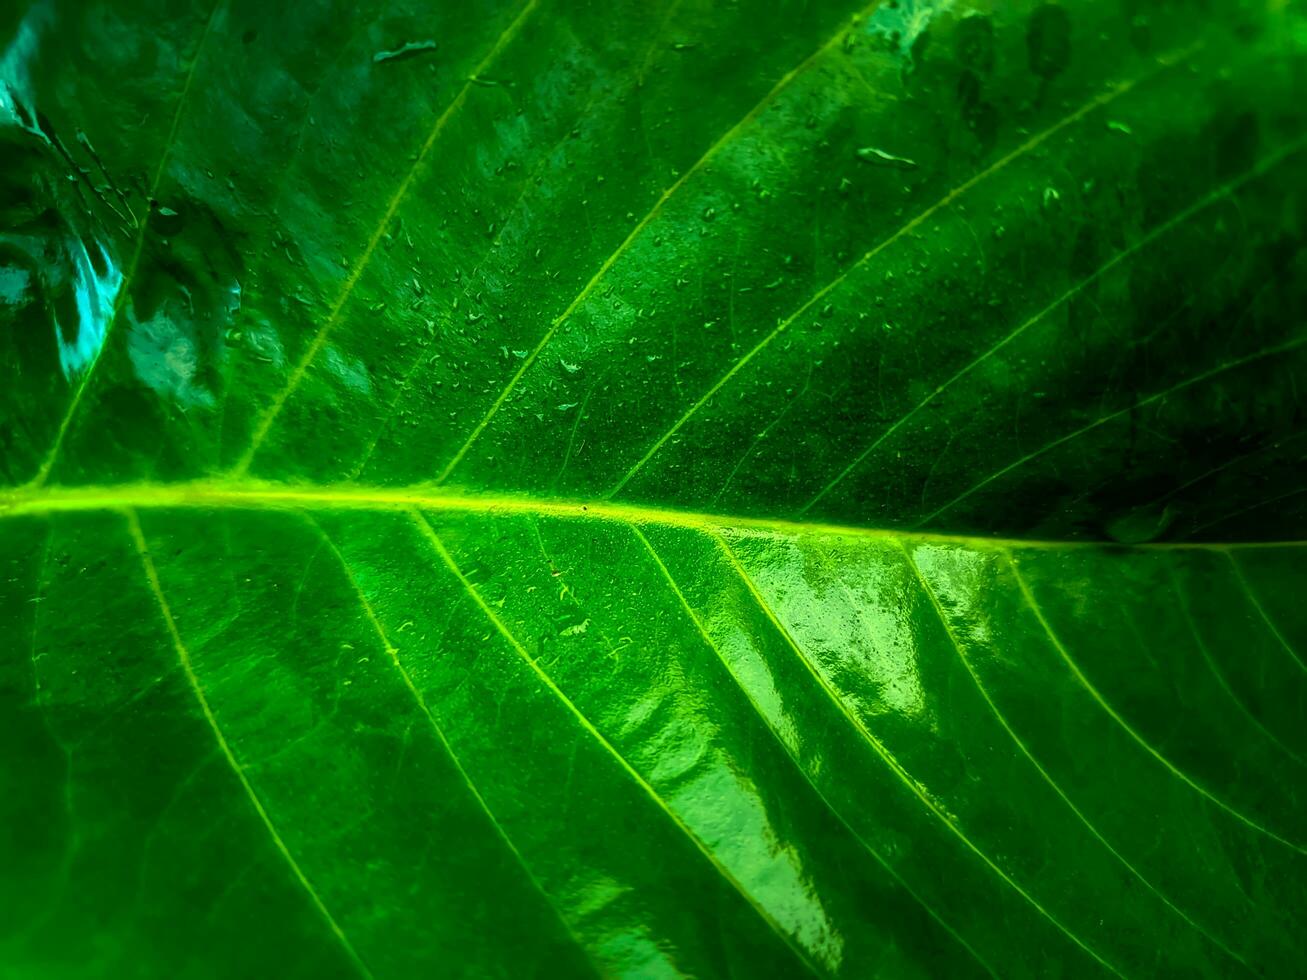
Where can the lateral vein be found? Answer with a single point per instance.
(184, 658)
(906, 778)
(588, 726)
(1214, 668)
(124, 288)
(1220, 194)
(1125, 726)
(1238, 362)
(1044, 773)
(839, 817)
(621, 249)
(319, 340)
(1274, 630)
(1110, 95)
(393, 653)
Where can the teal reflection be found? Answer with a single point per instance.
(94, 294)
(90, 274)
(15, 80)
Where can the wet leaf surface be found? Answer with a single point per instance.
(669, 490)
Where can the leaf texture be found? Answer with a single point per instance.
(675, 489)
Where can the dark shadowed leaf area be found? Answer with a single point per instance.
(653, 489)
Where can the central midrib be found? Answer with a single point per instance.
(264, 495)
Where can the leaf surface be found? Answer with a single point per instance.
(672, 490)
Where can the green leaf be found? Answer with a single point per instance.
(675, 489)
